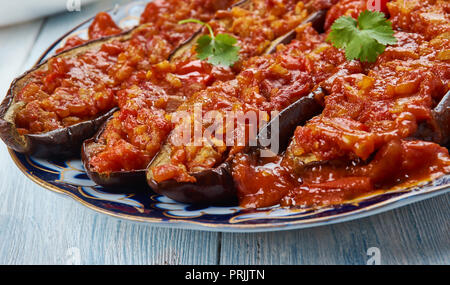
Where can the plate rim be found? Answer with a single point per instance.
(399, 201)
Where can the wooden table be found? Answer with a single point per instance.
(41, 227)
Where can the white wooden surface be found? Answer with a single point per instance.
(40, 227)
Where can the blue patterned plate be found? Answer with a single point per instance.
(68, 177)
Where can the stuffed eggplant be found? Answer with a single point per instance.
(132, 138)
(216, 185)
(299, 177)
(132, 180)
(200, 175)
(365, 141)
(52, 108)
(362, 141)
(64, 141)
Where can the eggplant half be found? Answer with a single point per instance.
(119, 180)
(212, 187)
(64, 142)
(215, 186)
(113, 181)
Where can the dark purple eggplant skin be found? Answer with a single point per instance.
(438, 128)
(296, 114)
(120, 181)
(441, 115)
(64, 142)
(213, 187)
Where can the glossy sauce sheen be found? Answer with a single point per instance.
(364, 139)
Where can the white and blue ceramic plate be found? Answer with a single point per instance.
(68, 177)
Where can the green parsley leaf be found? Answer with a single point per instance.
(364, 39)
(220, 49)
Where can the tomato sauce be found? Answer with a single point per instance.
(429, 18)
(78, 88)
(364, 140)
(266, 83)
(168, 84)
(350, 8)
(102, 26)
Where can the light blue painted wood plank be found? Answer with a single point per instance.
(16, 43)
(415, 234)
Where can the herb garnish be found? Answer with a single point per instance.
(217, 49)
(364, 39)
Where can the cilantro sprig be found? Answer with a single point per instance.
(364, 39)
(220, 49)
